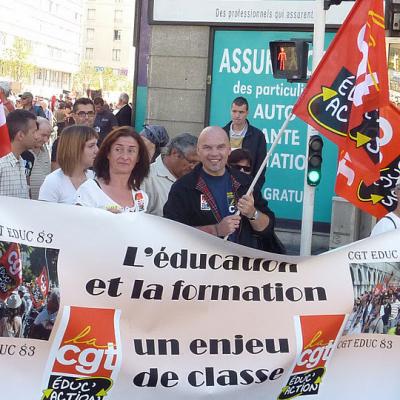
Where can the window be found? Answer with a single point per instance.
(117, 34)
(116, 54)
(89, 53)
(90, 33)
(91, 13)
(118, 16)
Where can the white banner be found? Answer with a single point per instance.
(151, 309)
(244, 11)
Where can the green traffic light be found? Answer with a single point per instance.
(313, 178)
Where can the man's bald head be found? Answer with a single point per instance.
(212, 132)
(213, 148)
(43, 133)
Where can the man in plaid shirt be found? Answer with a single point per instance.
(22, 128)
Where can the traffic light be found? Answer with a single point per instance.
(289, 59)
(392, 17)
(328, 3)
(314, 160)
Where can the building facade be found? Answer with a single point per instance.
(50, 32)
(108, 39)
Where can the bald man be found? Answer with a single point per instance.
(208, 197)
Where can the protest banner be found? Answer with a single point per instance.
(149, 309)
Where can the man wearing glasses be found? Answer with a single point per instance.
(83, 114)
(178, 159)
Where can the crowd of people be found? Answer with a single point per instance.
(99, 160)
(376, 311)
(22, 317)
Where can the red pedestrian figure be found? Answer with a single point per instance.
(282, 59)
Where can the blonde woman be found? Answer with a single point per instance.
(76, 152)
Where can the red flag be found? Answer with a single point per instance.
(40, 288)
(10, 271)
(376, 198)
(350, 84)
(5, 145)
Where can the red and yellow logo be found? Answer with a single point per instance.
(88, 357)
(318, 334)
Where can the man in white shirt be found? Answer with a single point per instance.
(243, 135)
(22, 129)
(179, 158)
(390, 221)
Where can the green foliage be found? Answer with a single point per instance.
(15, 62)
(107, 80)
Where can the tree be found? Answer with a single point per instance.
(85, 78)
(105, 79)
(15, 62)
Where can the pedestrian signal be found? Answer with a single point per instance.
(314, 160)
(289, 59)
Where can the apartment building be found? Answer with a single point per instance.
(108, 37)
(51, 29)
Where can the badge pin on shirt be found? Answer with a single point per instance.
(204, 206)
(139, 200)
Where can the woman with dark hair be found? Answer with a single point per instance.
(154, 137)
(76, 151)
(120, 167)
(240, 159)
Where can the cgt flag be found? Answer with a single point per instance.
(350, 84)
(10, 270)
(39, 289)
(5, 145)
(376, 198)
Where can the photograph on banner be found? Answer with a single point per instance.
(376, 299)
(242, 67)
(29, 290)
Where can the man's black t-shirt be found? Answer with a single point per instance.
(222, 192)
(29, 160)
(104, 121)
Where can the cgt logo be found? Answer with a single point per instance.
(89, 344)
(89, 360)
(315, 353)
(318, 334)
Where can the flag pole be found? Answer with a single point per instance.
(270, 151)
(309, 191)
(264, 163)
